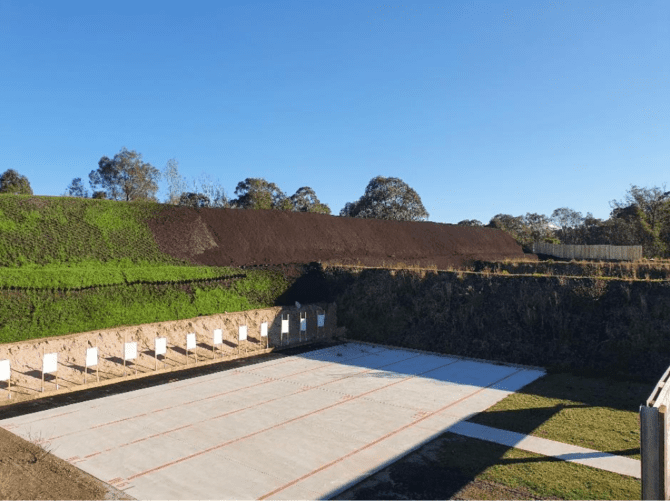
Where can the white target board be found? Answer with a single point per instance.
(243, 332)
(218, 336)
(264, 329)
(160, 346)
(130, 351)
(4, 370)
(91, 357)
(320, 320)
(50, 363)
(303, 324)
(284, 326)
(190, 341)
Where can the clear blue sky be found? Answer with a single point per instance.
(481, 107)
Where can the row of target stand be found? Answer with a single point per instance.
(50, 360)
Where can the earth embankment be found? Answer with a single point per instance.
(234, 237)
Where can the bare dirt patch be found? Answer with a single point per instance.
(235, 237)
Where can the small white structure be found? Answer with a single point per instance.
(49, 365)
(160, 348)
(5, 375)
(264, 333)
(320, 322)
(284, 329)
(217, 339)
(303, 326)
(129, 353)
(191, 345)
(91, 361)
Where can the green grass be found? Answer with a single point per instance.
(541, 476)
(83, 264)
(595, 413)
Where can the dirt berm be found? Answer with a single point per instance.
(235, 237)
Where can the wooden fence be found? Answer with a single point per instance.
(620, 252)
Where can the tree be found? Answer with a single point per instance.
(13, 182)
(215, 194)
(195, 200)
(515, 227)
(652, 202)
(76, 189)
(387, 198)
(176, 183)
(126, 177)
(99, 195)
(257, 193)
(538, 227)
(470, 222)
(646, 213)
(568, 221)
(305, 200)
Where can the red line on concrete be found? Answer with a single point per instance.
(230, 442)
(47, 417)
(346, 397)
(390, 434)
(107, 424)
(216, 395)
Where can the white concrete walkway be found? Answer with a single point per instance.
(303, 427)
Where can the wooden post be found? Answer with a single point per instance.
(662, 443)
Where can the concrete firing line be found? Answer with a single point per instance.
(388, 435)
(235, 371)
(217, 395)
(302, 390)
(230, 442)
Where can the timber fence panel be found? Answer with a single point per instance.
(619, 252)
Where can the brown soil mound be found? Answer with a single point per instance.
(235, 237)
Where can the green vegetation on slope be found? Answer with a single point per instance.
(76, 265)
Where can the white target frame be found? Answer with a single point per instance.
(217, 340)
(49, 365)
(160, 348)
(241, 336)
(285, 330)
(91, 361)
(6, 375)
(264, 334)
(191, 344)
(320, 322)
(129, 353)
(303, 327)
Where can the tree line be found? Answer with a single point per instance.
(641, 218)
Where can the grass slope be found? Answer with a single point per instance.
(54, 250)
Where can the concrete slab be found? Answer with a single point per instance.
(305, 426)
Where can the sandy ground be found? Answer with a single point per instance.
(26, 357)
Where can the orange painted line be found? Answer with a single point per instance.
(47, 417)
(230, 442)
(346, 397)
(196, 400)
(108, 423)
(390, 434)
